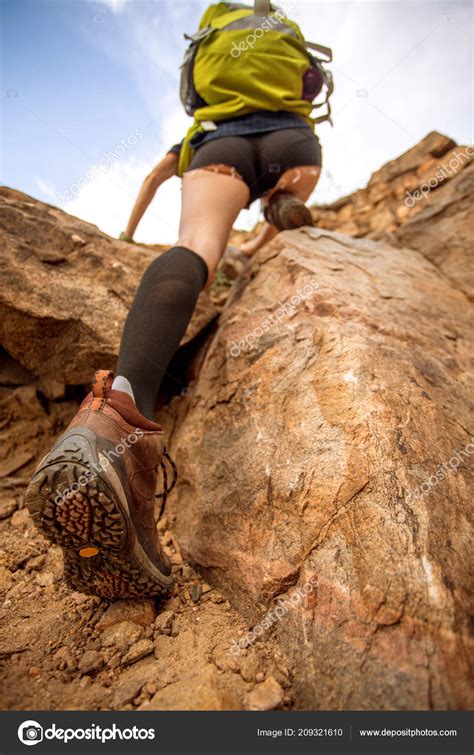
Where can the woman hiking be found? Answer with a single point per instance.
(249, 81)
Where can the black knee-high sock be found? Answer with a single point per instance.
(162, 308)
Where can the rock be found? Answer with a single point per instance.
(7, 508)
(314, 465)
(77, 239)
(64, 660)
(15, 463)
(163, 646)
(11, 371)
(6, 578)
(196, 592)
(45, 578)
(91, 662)
(266, 696)
(443, 229)
(57, 272)
(140, 612)
(21, 519)
(422, 199)
(250, 665)
(223, 658)
(164, 622)
(37, 562)
(200, 692)
(127, 691)
(121, 635)
(139, 650)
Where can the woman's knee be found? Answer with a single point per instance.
(205, 247)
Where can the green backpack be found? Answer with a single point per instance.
(242, 60)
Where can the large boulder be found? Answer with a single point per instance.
(65, 290)
(421, 199)
(324, 461)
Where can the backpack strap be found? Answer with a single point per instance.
(322, 49)
(261, 7)
(328, 80)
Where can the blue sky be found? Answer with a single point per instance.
(90, 95)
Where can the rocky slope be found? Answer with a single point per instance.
(318, 411)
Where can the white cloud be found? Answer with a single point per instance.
(116, 6)
(107, 202)
(46, 188)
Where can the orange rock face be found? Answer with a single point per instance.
(326, 452)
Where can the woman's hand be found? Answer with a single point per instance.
(123, 237)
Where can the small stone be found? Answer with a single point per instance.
(63, 659)
(35, 563)
(122, 635)
(250, 666)
(115, 661)
(138, 651)
(206, 588)
(216, 598)
(259, 676)
(45, 578)
(196, 592)
(140, 612)
(126, 692)
(164, 622)
(85, 681)
(21, 519)
(34, 671)
(224, 659)
(76, 239)
(6, 578)
(199, 692)
(266, 696)
(91, 662)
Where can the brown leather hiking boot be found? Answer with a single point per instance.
(286, 211)
(94, 495)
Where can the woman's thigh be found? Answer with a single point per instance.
(211, 202)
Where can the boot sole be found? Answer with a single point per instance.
(297, 216)
(292, 214)
(87, 515)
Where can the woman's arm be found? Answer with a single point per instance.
(266, 234)
(165, 169)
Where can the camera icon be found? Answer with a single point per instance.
(30, 733)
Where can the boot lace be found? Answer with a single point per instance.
(166, 490)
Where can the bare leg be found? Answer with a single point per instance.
(299, 181)
(210, 204)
